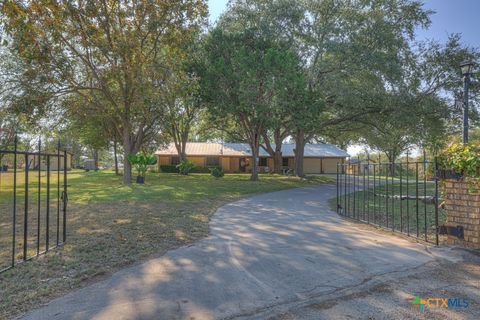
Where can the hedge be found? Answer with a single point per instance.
(169, 168)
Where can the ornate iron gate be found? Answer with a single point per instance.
(33, 203)
(400, 196)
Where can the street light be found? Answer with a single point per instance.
(467, 68)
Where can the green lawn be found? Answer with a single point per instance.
(407, 216)
(88, 187)
(111, 225)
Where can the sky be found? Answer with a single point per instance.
(450, 16)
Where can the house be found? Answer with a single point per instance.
(360, 166)
(237, 157)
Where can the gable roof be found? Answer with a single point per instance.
(243, 149)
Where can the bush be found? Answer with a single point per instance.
(167, 168)
(462, 158)
(217, 172)
(141, 161)
(186, 166)
(200, 170)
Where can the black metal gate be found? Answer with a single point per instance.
(33, 203)
(400, 196)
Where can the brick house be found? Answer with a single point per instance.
(237, 157)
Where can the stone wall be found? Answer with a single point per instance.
(463, 209)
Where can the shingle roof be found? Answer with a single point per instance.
(243, 149)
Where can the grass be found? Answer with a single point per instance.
(372, 206)
(110, 225)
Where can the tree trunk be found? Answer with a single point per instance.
(391, 166)
(95, 159)
(277, 162)
(127, 167)
(255, 145)
(276, 153)
(115, 156)
(181, 150)
(299, 152)
(277, 157)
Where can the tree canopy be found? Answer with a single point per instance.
(139, 72)
(114, 55)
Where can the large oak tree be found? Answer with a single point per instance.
(245, 73)
(115, 55)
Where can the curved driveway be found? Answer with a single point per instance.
(266, 256)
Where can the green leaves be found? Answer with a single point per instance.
(113, 56)
(462, 158)
(217, 172)
(141, 162)
(185, 166)
(246, 75)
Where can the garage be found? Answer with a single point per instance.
(329, 165)
(312, 165)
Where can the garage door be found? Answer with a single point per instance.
(311, 165)
(330, 165)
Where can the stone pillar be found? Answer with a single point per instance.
(463, 209)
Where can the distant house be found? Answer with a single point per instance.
(360, 166)
(237, 157)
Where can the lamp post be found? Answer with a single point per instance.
(467, 67)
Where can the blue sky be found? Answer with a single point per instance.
(452, 16)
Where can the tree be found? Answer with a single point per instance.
(351, 52)
(280, 21)
(183, 104)
(420, 110)
(9, 125)
(243, 75)
(114, 55)
(435, 71)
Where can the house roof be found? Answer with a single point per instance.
(243, 149)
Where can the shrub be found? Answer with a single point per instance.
(168, 168)
(185, 167)
(217, 172)
(141, 161)
(462, 159)
(200, 170)
(203, 169)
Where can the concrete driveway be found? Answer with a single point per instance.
(282, 255)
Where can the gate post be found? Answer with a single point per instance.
(25, 217)
(14, 240)
(435, 176)
(463, 214)
(338, 181)
(65, 195)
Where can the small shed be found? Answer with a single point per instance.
(34, 162)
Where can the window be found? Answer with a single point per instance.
(285, 162)
(262, 162)
(213, 161)
(175, 160)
